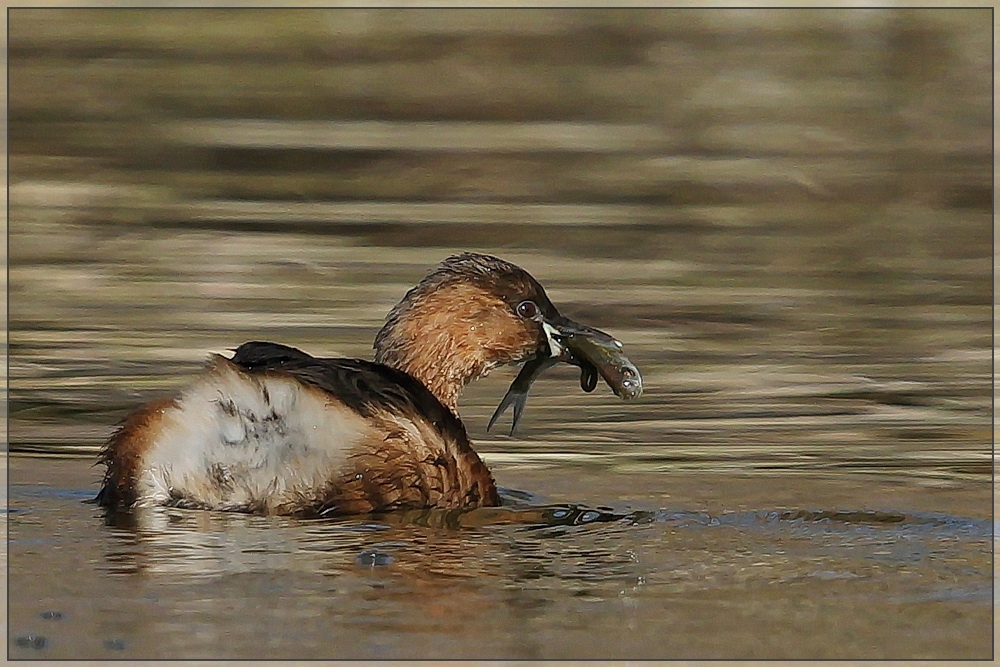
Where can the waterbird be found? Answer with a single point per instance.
(274, 430)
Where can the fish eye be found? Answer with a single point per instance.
(527, 309)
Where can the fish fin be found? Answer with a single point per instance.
(515, 398)
(519, 402)
(504, 404)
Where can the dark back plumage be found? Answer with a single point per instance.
(364, 386)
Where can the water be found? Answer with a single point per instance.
(532, 580)
(786, 490)
(788, 226)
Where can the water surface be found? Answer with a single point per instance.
(785, 216)
(683, 577)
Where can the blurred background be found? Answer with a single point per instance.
(785, 214)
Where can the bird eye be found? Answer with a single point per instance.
(527, 309)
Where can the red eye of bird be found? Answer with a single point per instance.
(527, 309)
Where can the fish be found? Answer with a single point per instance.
(595, 352)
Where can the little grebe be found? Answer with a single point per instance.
(274, 430)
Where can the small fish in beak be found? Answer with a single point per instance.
(595, 352)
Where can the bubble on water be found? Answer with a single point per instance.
(374, 558)
(51, 615)
(36, 642)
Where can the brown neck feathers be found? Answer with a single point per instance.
(449, 336)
